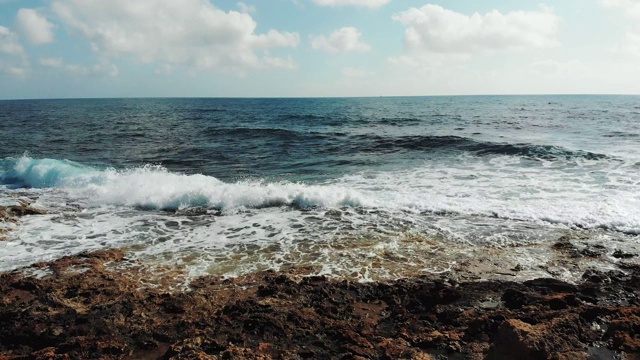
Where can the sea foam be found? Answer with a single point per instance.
(154, 187)
(604, 197)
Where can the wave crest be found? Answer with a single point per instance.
(154, 187)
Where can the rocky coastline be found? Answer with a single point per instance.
(83, 307)
(101, 305)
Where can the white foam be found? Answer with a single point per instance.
(154, 187)
(586, 194)
(157, 188)
(356, 224)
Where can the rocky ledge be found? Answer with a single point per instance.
(11, 214)
(83, 307)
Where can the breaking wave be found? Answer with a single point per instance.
(154, 187)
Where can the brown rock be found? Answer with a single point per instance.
(535, 342)
(21, 210)
(622, 333)
(105, 312)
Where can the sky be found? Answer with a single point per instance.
(317, 48)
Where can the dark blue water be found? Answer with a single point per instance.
(313, 138)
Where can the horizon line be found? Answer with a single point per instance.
(312, 97)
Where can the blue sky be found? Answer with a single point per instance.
(208, 48)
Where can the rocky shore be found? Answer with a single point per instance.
(91, 306)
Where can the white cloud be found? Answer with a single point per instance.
(34, 27)
(345, 39)
(101, 68)
(13, 58)
(9, 43)
(278, 62)
(630, 8)
(366, 3)
(246, 8)
(435, 29)
(189, 32)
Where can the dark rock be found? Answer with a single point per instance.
(594, 251)
(106, 313)
(551, 284)
(535, 342)
(619, 254)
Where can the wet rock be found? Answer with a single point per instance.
(595, 276)
(563, 243)
(551, 284)
(565, 246)
(619, 254)
(27, 210)
(593, 251)
(11, 212)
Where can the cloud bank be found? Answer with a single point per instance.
(346, 39)
(13, 58)
(365, 3)
(631, 10)
(188, 32)
(34, 27)
(432, 28)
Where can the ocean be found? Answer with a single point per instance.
(358, 188)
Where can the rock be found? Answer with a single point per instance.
(551, 284)
(593, 251)
(563, 243)
(20, 210)
(622, 332)
(107, 312)
(565, 246)
(619, 254)
(7, 216)
(535, 342)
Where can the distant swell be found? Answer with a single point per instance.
(256, 133)
(545, 152)
(304, 117)
(456, 143)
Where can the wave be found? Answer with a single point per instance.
(304, 117)
(477, 189)
(207, 110)
(383, 144)
(399, 121)
(620, 134)
(44, 173)
(154, 187)
(254, 133)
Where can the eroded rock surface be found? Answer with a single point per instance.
(84, 308)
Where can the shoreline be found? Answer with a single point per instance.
(85, 306)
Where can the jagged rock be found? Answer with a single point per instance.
(536, 342)
(104, 312)
(619, 254)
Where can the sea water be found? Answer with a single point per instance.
(367, 188)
